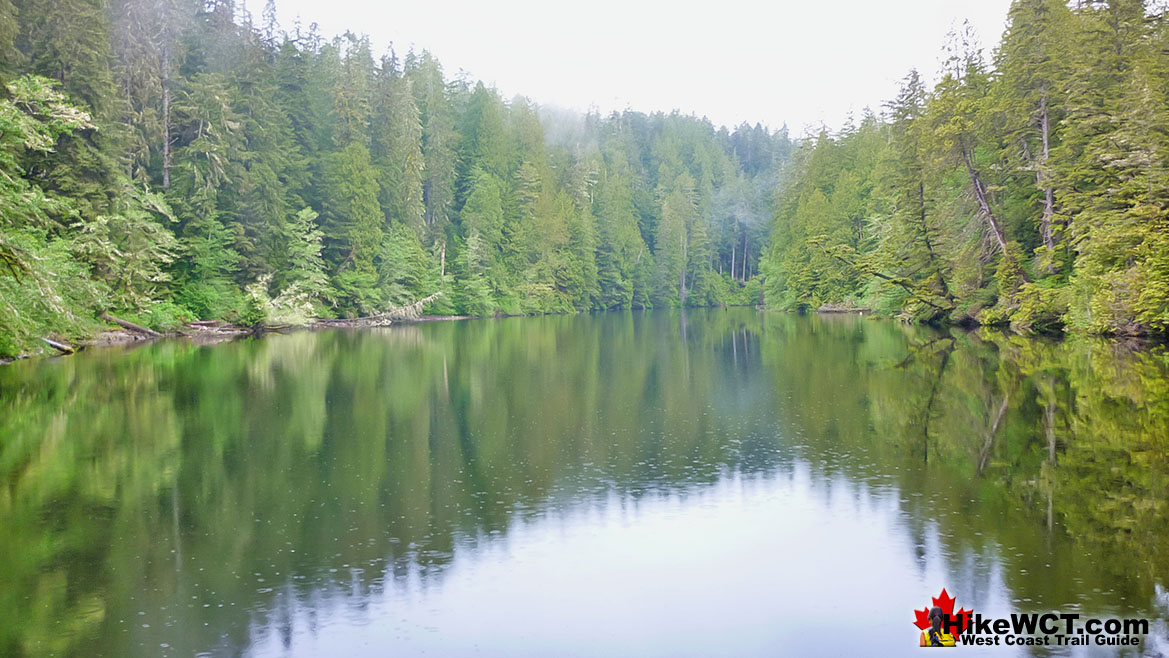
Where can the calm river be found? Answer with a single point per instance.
(715, 483)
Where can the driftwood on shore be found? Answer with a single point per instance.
(214, 331)
(842, 308)
(60, 347)
(130, 326)
(399, 314)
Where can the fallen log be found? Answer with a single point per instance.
(60, 347)
(407, 312)
(397, 314)
(130, 326)
(843, 308)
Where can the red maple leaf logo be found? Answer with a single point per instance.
(946, 603)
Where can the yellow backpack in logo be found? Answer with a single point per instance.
(944, 639)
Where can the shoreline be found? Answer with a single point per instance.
(213, 333)
(205, 333)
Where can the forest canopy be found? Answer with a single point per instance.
(1028, 187)
(173, 160)
(179, 160)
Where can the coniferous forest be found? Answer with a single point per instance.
(172, 160)
(177, 160)
(1029, 186)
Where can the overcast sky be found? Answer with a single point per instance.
(802, 62)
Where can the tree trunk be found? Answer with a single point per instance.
(983, 199)
(734, 245)
(929, 246)
(1042, 175)
(60, 347)
(130, 326)
(166, 110)
(129, 109)
(984, 205)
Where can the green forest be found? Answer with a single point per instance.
(1028, 187)
(171, 160)
(177, 160)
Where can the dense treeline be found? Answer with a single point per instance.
(1031, 189)
(177, 159)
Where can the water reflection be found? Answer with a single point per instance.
(723, 483)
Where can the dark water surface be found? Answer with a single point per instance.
(719, 483)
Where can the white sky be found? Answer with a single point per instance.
(802, 62)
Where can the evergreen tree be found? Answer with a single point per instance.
(620, 249)
(42, 288)
(438, 139)
(69, 41)
(679, 214)
(397, 143)
(10, 57)
(352, 218)
(207, 155)
(404, 269)
(1032, 75)
(352, 91)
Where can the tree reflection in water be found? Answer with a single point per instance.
(188, 496)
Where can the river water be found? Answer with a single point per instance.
(709, 483)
